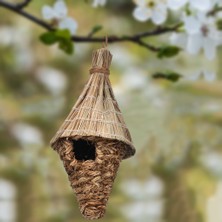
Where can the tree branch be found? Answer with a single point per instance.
(137, 38)
(147, 46)
(23, 4)
(129, 38)
(20, 11)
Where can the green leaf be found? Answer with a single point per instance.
(65, 42)
(62, 37)
(66, 45)
(95, 29)
(49, 38)
(168, 51)
(63, 33)
(168, 75)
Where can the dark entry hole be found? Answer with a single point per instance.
(84, 150)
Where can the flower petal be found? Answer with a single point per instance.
(60, 9)
(191, 24)
(203, 18)
(176, 4)
(141, 3)
(159, 14)
(202, 5)
(48, 12)
(70, 24)
(142, 14)
(179, 39)
(210, 47)
(195, 43)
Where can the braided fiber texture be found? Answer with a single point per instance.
(92, 180)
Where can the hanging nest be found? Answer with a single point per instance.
(93, 140)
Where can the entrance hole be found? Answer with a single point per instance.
(84, 150)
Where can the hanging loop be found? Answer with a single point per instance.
(105, 43)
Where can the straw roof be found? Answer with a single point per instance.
(96, 112)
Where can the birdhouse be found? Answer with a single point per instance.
(94, 139)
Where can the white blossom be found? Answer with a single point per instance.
(150, 9)
(176, 4)
(58, 13)
(179, 39)
(200, 33)
(97, 3)
(201, 5)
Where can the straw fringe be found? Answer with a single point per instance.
(96, 112)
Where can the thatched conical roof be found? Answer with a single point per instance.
(96, 112)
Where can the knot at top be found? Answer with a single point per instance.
(99, 70)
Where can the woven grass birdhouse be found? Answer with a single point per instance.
(93, 140)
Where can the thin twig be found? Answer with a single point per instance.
(27, 15)
(129, 38)
(23, 4)
(137, 38)
(147, 46)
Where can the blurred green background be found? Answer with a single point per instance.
(176, 174)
